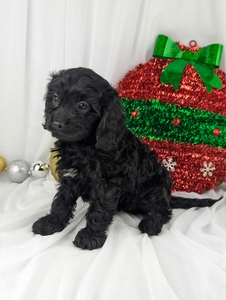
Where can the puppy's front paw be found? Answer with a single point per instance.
(89, 239)
(47, 225)
(150, 226)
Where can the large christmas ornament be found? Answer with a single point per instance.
(18, 170)
(176, 103)
(2, 164)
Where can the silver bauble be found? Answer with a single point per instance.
(18, 170)
(39, 169)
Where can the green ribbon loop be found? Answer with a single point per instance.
(203, 61)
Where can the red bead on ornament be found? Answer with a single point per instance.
(216, 131)
(176, 122)
(134, 113)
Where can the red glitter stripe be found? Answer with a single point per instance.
(190, 159)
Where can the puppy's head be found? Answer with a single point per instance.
(82, 106)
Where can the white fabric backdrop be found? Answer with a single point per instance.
(188, 259)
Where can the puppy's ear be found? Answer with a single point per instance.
(112, 125)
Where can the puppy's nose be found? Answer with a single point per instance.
(58, 125)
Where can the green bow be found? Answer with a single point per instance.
(204, 61)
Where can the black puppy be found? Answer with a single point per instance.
(101, 161)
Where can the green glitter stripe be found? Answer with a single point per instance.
(155, 121)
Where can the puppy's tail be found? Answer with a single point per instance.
(180, 202)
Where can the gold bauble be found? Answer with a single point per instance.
(2, 164)
(52, 164)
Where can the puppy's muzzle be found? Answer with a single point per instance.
(58, 125)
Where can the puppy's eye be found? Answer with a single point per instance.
(83, 106)
(56, 99)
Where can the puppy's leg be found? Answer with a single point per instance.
(156, 211)
(61, 211)
(99, 217)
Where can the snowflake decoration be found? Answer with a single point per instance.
(169, 164)
(207, 169)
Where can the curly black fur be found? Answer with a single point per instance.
(100, 160)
